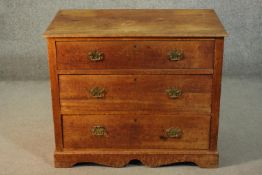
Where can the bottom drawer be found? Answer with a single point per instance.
(141, 131)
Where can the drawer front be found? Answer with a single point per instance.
(135, 54)
(117, 94)
(147, 131)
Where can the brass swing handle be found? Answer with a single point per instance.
(173, 92)
(96, 55)
(97, 92)
(98, 131)
(174, 132)
(175, 55)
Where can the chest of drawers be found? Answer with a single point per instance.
(135, 85)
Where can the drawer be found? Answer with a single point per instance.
(118, 94)
(135, 54)
(142, 131)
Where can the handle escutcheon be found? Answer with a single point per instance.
(174, 92)
(175, 55)
(97, 92)
(96, 55)
(174, 132)
(98, 131)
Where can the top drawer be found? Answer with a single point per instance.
(146, 54)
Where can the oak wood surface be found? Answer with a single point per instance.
(217, 76)
(149, 157)
(138, 54)
(136, 23)
(55, 94)
(147, 131)
(135, 73)
(140, 93)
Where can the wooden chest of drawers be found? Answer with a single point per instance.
(135, 84)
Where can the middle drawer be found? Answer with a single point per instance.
(117, 94)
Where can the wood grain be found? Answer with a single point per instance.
(140, 93)
(136, 23)
(217, 76)
(149, 157)
(139, 131)
(55, 94)
(135, 72)
(138, 54)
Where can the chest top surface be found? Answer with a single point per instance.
(136, 23)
